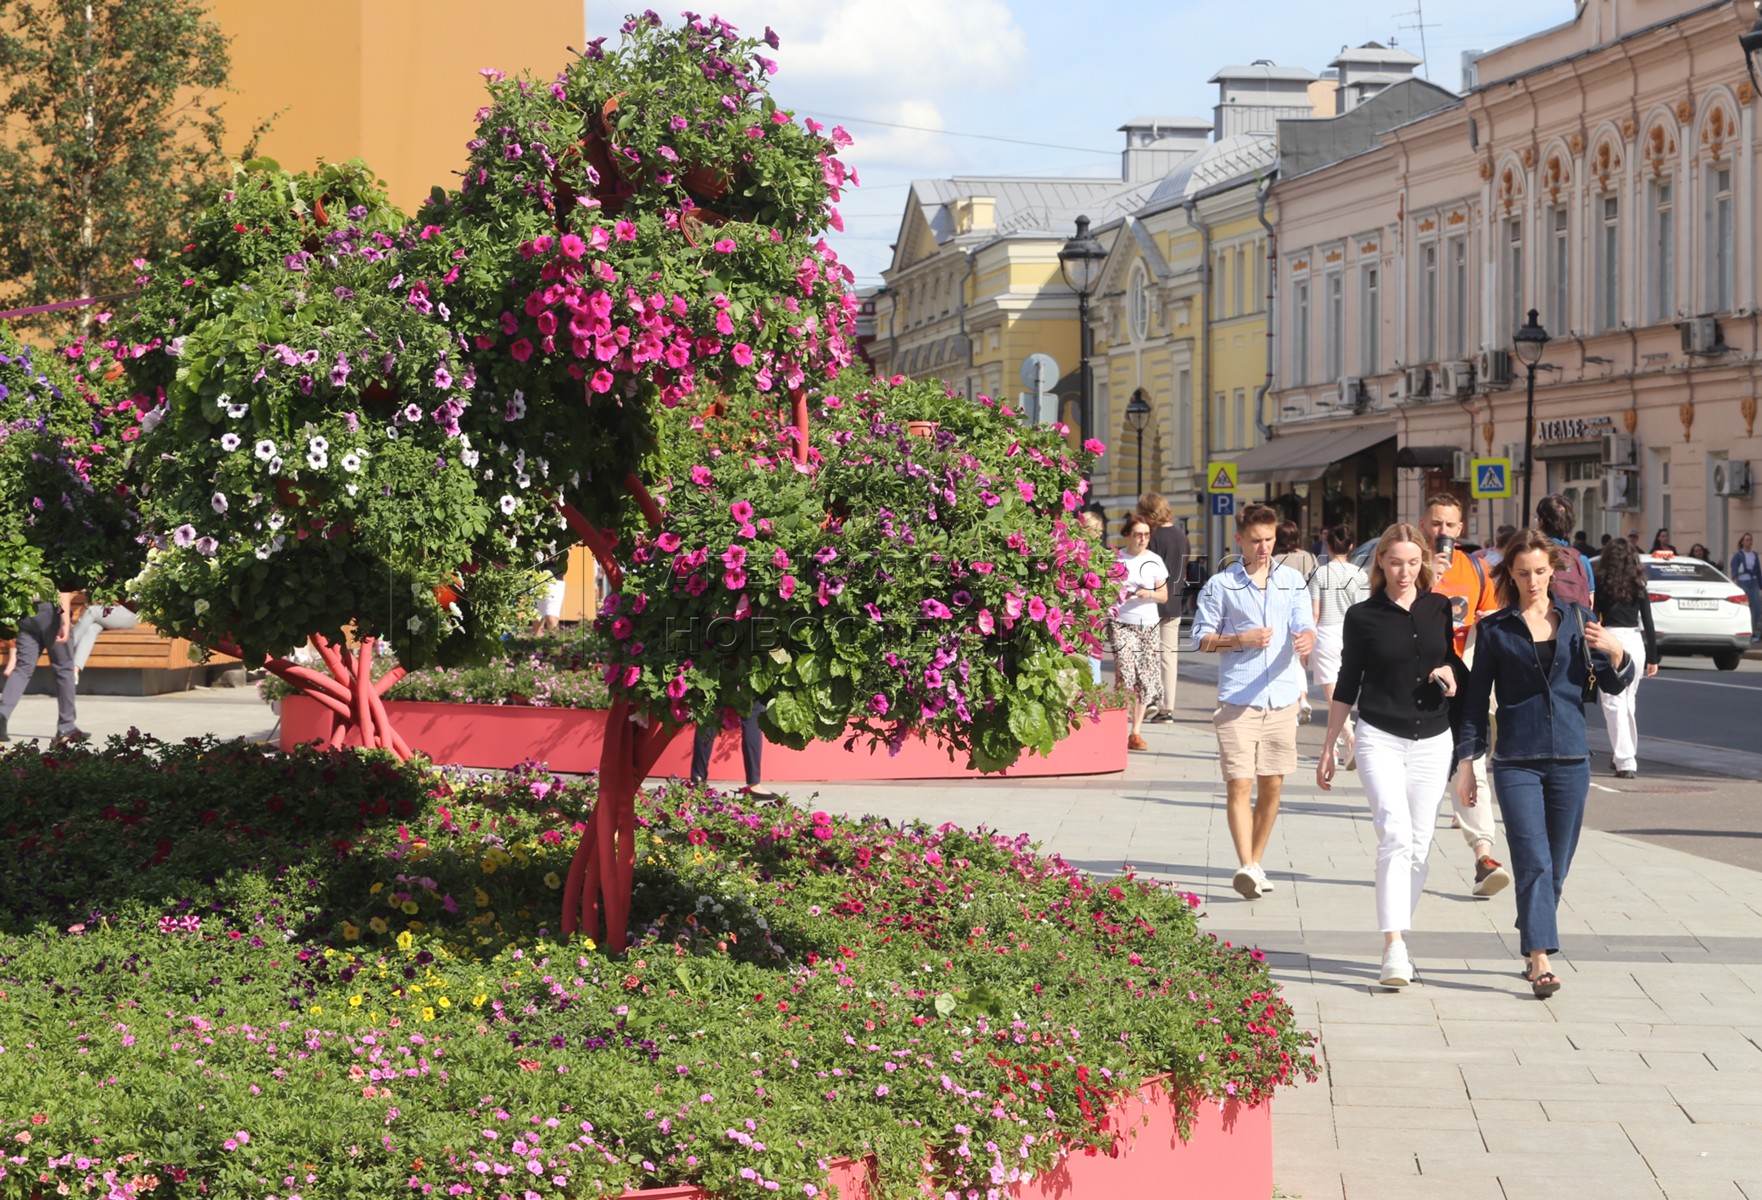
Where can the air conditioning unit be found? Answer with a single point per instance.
(1461, 466)
(1456, 378)
(1619, 450)
(1493, 368)
(1353, 394)
(1419, 382)
(1621, 490)
(1700, 335)
(1731, 478)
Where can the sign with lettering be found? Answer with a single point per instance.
(1572, 429)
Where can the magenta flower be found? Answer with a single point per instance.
(624, 231)
(572, 246)
(734, 579)
(601, 382)
(742, 354)
(725, 246)
(1037, 609)
(741, 511)
(1012, 606)
(1095, 446)
(780, 557)
(934, 608)
(987, 623)
(701, 476)
(1025, 488)
(521, 350)
(669, 542)
(786, 587)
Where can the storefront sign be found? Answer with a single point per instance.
(1572, 429)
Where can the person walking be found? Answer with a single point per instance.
(1466, 582)
(1137, 662)
(1168, 541)
(47, 630)
(1746, 572)
(93, 620)
(1288, 551)
(1574, 581)
(1336, 586)
(1537, 656)
(1257, 618)
(752, 746)
(1398, 664)
(1624, 608)
(1661, 541)
(1697, 550)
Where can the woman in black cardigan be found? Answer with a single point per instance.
(1396, 657)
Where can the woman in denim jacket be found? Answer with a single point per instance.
(1535, 656)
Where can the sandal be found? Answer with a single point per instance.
(1545, 985)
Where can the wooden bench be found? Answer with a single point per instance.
(137, 662)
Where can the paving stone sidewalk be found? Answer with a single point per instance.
(1641, 1079)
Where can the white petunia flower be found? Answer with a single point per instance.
(320, 444)
(276, 520)
(265, 450)
(275, 465)
(219, 502)
(524, 481)
(263, 552)
(509, 504)
(235, 411)
(352, 489)
(201, 607)
(414, 624)
(230, 442)
(317, 460)
(469, 458)
(351, 462)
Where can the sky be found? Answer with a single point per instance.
(963, 74)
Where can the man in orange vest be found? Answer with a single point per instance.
(1469, 586)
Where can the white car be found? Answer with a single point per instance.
(1697, 609)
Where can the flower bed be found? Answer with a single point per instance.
(499, 736)
(238, 974)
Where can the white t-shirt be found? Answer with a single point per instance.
(1338, 585)
(1146, 571)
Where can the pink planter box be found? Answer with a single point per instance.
(491, 736)
(1229, 1157)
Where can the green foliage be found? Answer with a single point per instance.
(224, 966)
(113, 127)
(23, 582)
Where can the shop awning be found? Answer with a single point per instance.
(1427, 457)
(1295, 456)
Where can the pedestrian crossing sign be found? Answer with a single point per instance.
(1492, 479)
(1220, 477)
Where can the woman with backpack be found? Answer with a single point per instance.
(1573, 582)
(1541, 657)
(1624, 608)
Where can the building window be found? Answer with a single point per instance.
(1661, 270)
(1242, 304)
(1559, 252)
(1184, 418)
(1241, 417)
(1721, 249)
(1608, 264)
(1140, 301)
(1457, 315)
(1260, 285)
(1220, 420)
(1334, 331)
(1426, 347)
(1217, 287)
(1370, 320)
(1300, 332)
(1514, 291)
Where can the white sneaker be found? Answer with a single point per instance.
(1246, 881)
(1397, 969)
(1266, 884)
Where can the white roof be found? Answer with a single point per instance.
(1262, 71)
(1242, 156)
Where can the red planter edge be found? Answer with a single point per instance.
(498, 736)
(1228, 1157)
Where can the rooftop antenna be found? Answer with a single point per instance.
(1419, 23)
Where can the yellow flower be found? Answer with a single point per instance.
(482, 898)
(489, 866)
(377, 925)
(410, 907)
(354, 1002)
(477, 1000)
(351, 931)
(444, 1002)
(428, 1014)
(552, 880)
(315, 1009)
(376, 889)
(405, 941)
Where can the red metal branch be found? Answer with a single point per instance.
(646, 502)
(597, 542)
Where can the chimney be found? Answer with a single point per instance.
(1157, 145)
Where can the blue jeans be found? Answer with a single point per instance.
(1543, 805)
(752, 745)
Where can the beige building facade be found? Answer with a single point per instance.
(1604, 173)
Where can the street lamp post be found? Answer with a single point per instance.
(1529, 343)
(1137, 419)
(1751, 44)
(1081, 260)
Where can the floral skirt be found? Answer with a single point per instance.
(1137, 660)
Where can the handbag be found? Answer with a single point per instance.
(1587, 693)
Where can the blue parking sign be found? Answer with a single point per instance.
(1223, 504)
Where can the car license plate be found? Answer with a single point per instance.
(1698, 605)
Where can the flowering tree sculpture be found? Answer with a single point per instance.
(67, 518)
(310, 462)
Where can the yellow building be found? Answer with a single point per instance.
(395, 82)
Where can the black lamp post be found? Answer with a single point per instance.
(1529, 342)
(1081, 260)
(1137, 420)
(1751, 43)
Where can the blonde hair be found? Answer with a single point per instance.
(1155, 509)
(1392, 536)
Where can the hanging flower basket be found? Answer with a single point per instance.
(922, 429)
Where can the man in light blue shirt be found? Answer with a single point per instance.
(1258, 618)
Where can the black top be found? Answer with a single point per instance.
(1170, 544)
(1545, 654)
(1620, 614)
(1387, 656)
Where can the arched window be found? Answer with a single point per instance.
(1138, 296)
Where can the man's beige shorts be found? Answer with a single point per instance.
(1256, 741)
